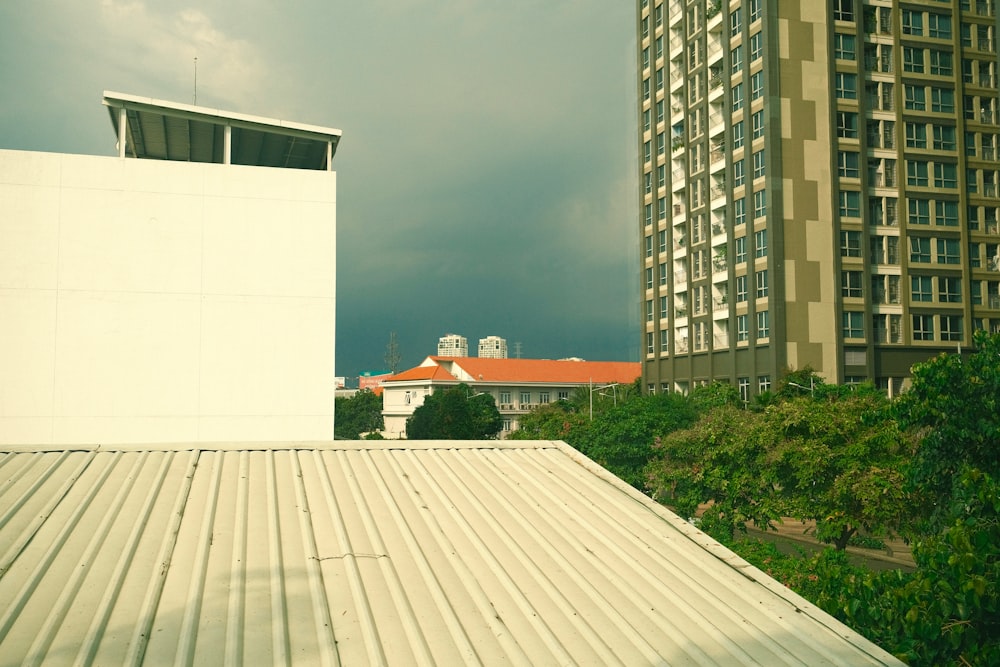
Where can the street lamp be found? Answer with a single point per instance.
(811, 388)
(614, 385)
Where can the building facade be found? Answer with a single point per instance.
(453, 345)
(181, 291)
(818, 187)
(516, 385)
(493, 347)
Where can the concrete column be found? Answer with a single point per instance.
(122, 131)
(329, 156)
(227, 145)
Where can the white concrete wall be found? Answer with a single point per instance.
(148, 301)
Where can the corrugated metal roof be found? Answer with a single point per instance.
(375, 553)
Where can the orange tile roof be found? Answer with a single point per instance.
(434, 372)
(529, 370)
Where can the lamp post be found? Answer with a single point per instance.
(598, 389)
(811, 388)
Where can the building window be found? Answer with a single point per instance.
(918, 211)
(663, 307)
(543, 397)
(844, 47)
(947, 251)
(946, 213)
(736, 57)
(761, 284)
(941, 63)
(913, 59)
(949, 289)
(649, 278)
(920, 249)
(847, 124)
(664, 341)
(737, 135)
(742, 331)
(741, 289)
(737, 97)
(923, 327)
(850, 244)
(756, 85)
(526, 395)
(913, 22)
(741, 249)
(757, 125)
(846, 86)
(920, 288)
(914, 98)
(661, 178)
(854, 324)
(661, 208)
(847, 164)
(649, 310)
(739, 174)
(739, 212)
(754, 10)
(916, 173)
(663, 273)
(850, 204)
(843, 10)
(760, 243)
(759, 168)
(743, 385)
(763, 325)
(951, 327)
(942, 100)
(756, 46)
(939, 26)
(649, 246)
(662, 237)
(944, 138)
(916, 135)
(850, 284)
(504, 397)
(945, 175)
(736, 22)
(649, 350)
(760, 204)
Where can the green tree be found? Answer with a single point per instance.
(354, 415)
(455, 414)
(621, 437)
(836, 461)
(954, 403)
(552, 421)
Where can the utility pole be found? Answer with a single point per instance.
(392, 354)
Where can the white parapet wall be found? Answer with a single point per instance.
(161, 301)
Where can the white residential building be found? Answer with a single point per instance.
(493, 347)
(453, 345)
(181, 291)
(516, 385)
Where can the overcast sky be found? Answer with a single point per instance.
(486, 175)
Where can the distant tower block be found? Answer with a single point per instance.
(453, 345)
(493, 347)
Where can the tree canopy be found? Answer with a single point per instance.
(354, 415)
(455, 414)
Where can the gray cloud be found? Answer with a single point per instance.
(486, 176)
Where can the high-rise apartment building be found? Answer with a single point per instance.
(493, 347)
(818, 186)
(453, 345)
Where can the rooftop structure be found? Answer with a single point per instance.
(160, 130)
(358, 553)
